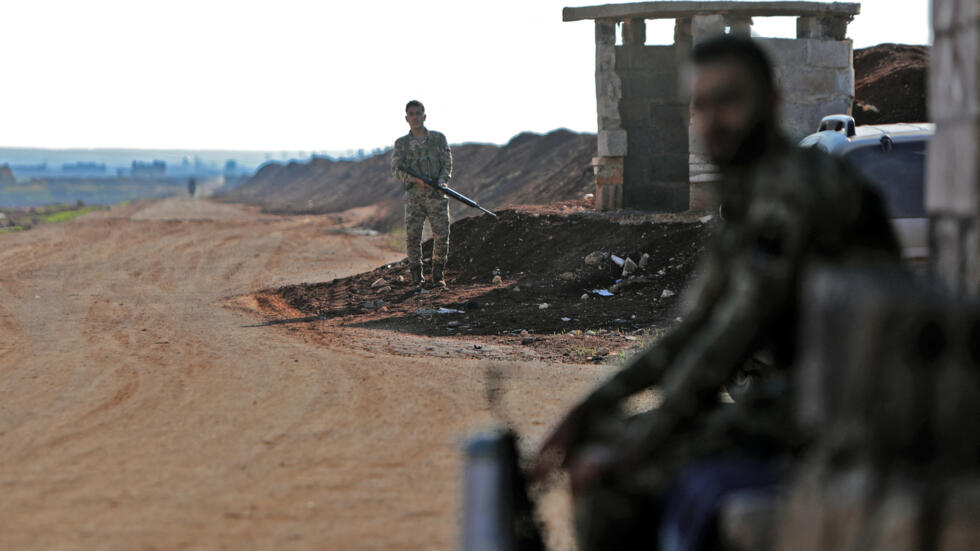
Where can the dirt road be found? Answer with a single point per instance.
(142, 408)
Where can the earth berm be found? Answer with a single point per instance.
(550, 278)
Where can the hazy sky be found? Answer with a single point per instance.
(308, 75)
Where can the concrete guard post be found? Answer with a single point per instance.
(647, 157)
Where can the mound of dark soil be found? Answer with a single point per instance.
(890, 84)
(540, 258)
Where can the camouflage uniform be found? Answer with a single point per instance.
(429, 155)
(781, 213)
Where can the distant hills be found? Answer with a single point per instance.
(531, 168)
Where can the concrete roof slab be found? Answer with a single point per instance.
(673, 10)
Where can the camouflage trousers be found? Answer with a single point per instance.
(419, 206)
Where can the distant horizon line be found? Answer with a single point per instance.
(180, 149)
(311, 151)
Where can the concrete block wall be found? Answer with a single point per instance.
(655, 118)
(824, 87)
(953, 168)
(887, 391)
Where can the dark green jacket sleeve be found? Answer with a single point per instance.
(759, 287)
(647, 368)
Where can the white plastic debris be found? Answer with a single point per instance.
(566, 319)
(544, 306)
(431, 311)
(619, 261)
(602, 292)
(380, 282)
(705, 219)
(667, 293)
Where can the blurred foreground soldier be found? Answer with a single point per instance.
(427, 152)
(191, 186)
(783, 208)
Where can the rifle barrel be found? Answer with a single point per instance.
(445, 190)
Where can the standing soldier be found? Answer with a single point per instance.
(427, 152)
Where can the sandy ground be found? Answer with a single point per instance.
(142, 406)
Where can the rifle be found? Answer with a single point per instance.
(445, 190)
(498, 512)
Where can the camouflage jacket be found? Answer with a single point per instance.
(430, 156)
(781, 213)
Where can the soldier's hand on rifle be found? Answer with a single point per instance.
(590, 465)
(558, 447)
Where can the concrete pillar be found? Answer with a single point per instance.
(823, 27)
(611, 135)
(702, 174)
(682, 33)
(741, 26)
(608, 182)
(953, 174)
(634, 32)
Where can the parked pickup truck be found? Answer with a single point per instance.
(892, 157)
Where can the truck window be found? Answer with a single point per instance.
(899, 175)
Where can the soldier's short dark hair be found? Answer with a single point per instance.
(738, 48)
(415, 103)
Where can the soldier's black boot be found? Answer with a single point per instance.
(438, 279)
(417, 279)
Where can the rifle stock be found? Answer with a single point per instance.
(445, 190)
